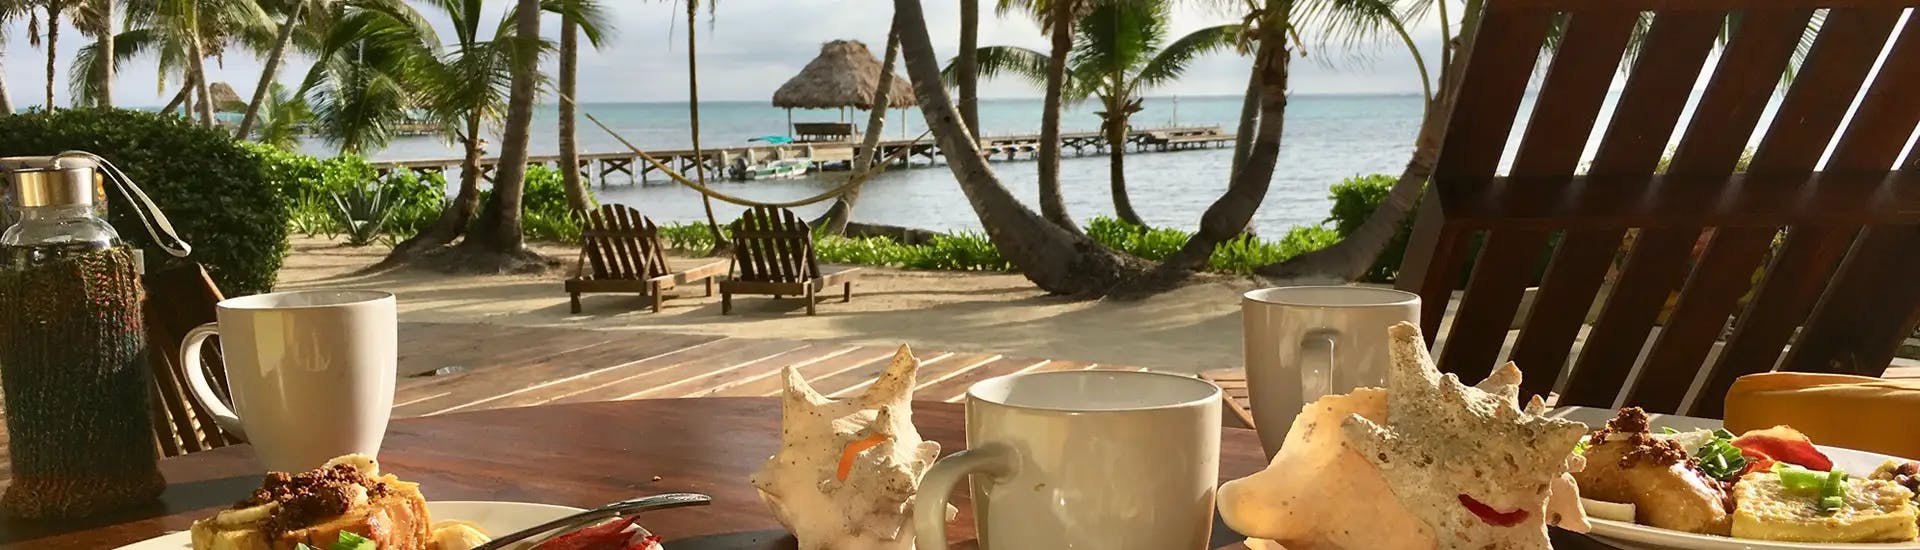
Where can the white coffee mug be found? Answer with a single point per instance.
(311, 373)
(1106, 460)
(1304, 342)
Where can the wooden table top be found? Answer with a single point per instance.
(577, 455)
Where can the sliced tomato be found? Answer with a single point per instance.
(612, 535)
(1783, 444)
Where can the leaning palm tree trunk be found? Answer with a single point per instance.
(1053, 205)
(198, 60)
(720, 244)
(271, 71)
(186, 90)
(837, 216)
(1229, 215)
(1249, 121)
(1117, 120)
(454, 219)
(1055, 259)
(967, 66)
(6, 101)
(569, 149)
(105, 96)
(496, 239)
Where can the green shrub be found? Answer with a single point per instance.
(225, 198)
(1353, 201)
(416, 201)
(363, 213)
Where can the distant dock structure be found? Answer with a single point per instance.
(834, 154)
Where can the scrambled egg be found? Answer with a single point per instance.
(1875, 511)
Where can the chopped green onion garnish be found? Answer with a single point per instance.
(1831, 504)
(1668, 430)
(1580, 448)
(1722, 433)
(1800, 479)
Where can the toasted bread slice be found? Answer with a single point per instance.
(1875, 511)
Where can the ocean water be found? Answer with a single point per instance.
(1327, 138)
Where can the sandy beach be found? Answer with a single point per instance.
(1192, 329)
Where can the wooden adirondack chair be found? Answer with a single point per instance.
(180, 298)
(773, 254)
(621, 252)
(1837, 297)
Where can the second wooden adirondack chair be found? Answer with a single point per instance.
(773, 254)
(1837, 296)
(621, 252)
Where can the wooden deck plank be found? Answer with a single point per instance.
(947, 365)
(773, 385)
(839, 382)
(960, 394)
(472, 388)
(759, 368)
(543, 393)
(955, 386)
(432, 346)
(735, 353)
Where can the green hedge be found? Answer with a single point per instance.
(224, 198)
(1356, 198)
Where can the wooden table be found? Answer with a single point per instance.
(577, 455)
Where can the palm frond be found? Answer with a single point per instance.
(1023, 63)
(1173, 60)
(281, 118)
(596, 25)
(87, 62)
(1115, 37)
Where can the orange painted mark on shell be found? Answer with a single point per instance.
(853, 449)
(1491, 516)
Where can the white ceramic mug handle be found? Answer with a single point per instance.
(201, 391)
(1316, 364)
(930, 506)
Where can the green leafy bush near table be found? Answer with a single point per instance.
(225, 198)
(544, 213)
(1354, 199)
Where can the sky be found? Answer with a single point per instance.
(747, 48)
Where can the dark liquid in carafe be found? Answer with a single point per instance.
(23, 256)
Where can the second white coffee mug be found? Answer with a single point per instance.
(311, 373)
(1083, 460)
(1305, 342)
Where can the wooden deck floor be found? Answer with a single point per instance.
(514, 366)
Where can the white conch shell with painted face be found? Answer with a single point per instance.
(866, 501)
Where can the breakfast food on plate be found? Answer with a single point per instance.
(618, 534)
(1626, 464)
(1799, 505)
(1426, 463)
(848, 469)
(347, 495)
(1767, 484)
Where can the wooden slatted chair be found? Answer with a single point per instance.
(1837, 297)
(621, 252)
(773, 254)
(179, 298)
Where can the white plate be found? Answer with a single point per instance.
(1636, 536)
(496, 518)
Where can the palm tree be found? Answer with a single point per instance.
(834, 221)
(966, 67)
(187, 32)
(720, 244)
(54, 12)
(569, 71)
(9, 10)
(1056, 18)
(1120, 53)
(94, 18)
(297, 12)
(368, 78)
(495, 243)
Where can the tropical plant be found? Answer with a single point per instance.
(373, 61)
(94, 18)
(362, 213)
(9, 11)
(693, 116)
(285, 113)
(181, 34)
(1120, 52)
(966, 66)
(495, 243)
(51, 14)
(1056, 18)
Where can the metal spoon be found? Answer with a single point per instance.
(612, 510)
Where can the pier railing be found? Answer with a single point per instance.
(601, 167)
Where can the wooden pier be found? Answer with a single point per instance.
(601, 167)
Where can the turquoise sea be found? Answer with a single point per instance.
(1328, 137)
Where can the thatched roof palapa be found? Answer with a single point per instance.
(226, 100)
(844, 75)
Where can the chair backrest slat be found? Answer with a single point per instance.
(1648, 109)
(1697, 238)
(620, 243)
(180, 298)
(773, 245)
(1569, 102)
(1836, 67)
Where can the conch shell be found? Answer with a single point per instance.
(1426, 463)
(847, 470)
